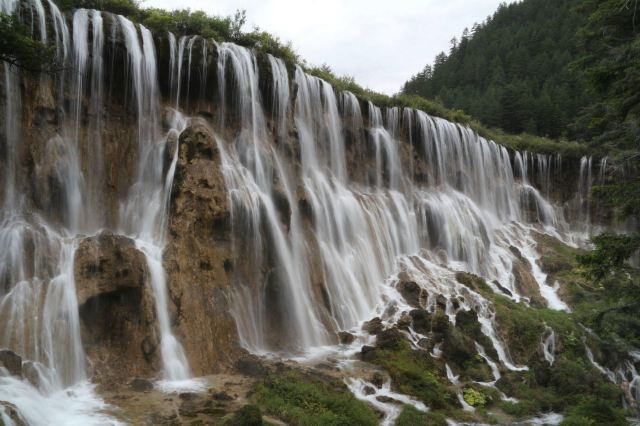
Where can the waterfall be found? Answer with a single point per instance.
(38, 303)
(280, 94)
(331, 205)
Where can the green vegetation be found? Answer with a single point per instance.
(18, 49)
(513, 70)
(249, 415)
(474, 397)
(301, 399)
(415, 374)
(410, 416)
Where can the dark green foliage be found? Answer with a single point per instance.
(304, 400)
(249, 415)
(512, 71)
(611, 40)
(18, 49)
(414, 373)
(594, 411)
(610, 255)
(410, 416)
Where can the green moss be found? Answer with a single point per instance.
(249, 415)
(474, 397)
(304, 400)
(414, 373)
(410, 416)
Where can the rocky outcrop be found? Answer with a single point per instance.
(11, 361)
(524, 280)
(198, 257)
(116, 307)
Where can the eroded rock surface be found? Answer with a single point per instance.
(116, 307)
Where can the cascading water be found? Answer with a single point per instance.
(38, 303)
(323, 225)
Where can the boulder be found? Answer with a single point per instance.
(367, 353)
(374, 326)
(412, 293)
(525, 282)
(140, 385)
(11, 361)
(421, 320)
(117, 309)
(108, 263)
(345, 337)
(251, 365)
(389, 339)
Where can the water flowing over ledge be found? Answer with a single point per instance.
(332, 202)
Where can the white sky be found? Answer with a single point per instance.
(379, 42)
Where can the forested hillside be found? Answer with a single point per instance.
(513, 71)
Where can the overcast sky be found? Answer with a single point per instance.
(379, 42)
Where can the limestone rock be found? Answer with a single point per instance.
(12, 412)
(117, 308)
(373, 327)
(11, 361)
(346, 338)
(525, 282)
(140, 385)
(198, 256)
(412, 293)
(108, 263)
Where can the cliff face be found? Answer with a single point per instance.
(170, 204)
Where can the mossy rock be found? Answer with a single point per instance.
(249, 415)
(303, 399)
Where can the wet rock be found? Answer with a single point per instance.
(199, 259)
(141, 385)
(472, 281)
(404, 322)
(374, 326)
(387, 399)
(222, 396)
(377, 379)
(12, 412)
(11, 361)
(369, 390)
(421, 320)
(108, 263)
(412, 293)
(389, 339)
(193, 407)
(30, 372)
(117, 308)
(346, 338)
(367, 353)
(525, 282)
(441, 303)
(250, 365)
(503, 289)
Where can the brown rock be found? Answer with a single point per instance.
(11, 361)
(374, 326)
(117, 308)
(525, 282)
(13, 413)
(346, 338)
(141, 385)
(412, 293)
